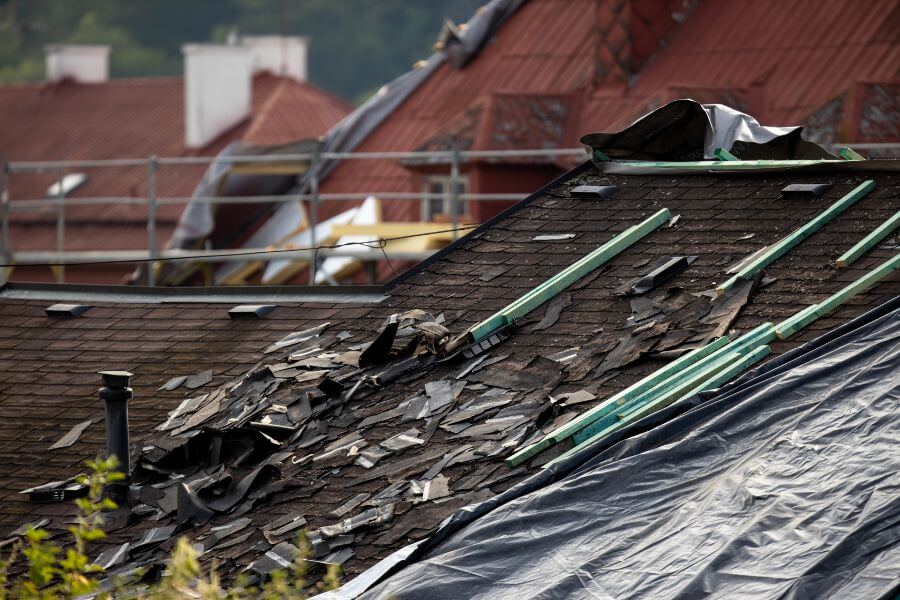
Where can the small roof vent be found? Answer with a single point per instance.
(251, 311)
(805, 191)
(67, 310)
(669, 268)
(593, 191)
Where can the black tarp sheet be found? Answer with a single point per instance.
(783, 484)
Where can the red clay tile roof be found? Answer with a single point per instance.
(132, 118)
(780, 60)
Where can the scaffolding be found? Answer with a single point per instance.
(60, 257)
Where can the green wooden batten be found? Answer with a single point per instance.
(569, 275)
(779, 249)
(672, 387)
(868, 242)
(730, 165)
(797, 322)
(762, 334)
(850, 154)
(729, 372)
(615, 401)
(735, 368)
(723, 154)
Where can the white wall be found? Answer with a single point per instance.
(80, 62)
(217, 90)
(279, 55)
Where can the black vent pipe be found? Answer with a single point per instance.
(116, 394)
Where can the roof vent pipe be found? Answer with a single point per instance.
(116, 394)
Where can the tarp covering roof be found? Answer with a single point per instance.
(688, 130)
(783, 484)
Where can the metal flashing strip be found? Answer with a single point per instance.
(619, 167)
(569, 275)
(868, 242)
(204, 295)
(782, 247)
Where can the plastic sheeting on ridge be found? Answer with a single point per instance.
(784, 484)
(687, 130)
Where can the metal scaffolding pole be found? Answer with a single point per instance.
(313, 212)
(152, 166)
(60, 224)
(454, 192)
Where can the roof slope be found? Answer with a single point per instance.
(318, 467)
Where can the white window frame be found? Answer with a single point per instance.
(445, 183)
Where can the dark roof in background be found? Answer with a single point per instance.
(723, 218)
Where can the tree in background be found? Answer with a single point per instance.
(356, 45)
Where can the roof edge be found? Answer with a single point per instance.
(351, 294)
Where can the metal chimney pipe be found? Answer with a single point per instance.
(116, 394)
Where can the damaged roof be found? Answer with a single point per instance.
(356, 425)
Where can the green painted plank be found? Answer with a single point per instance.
(850, 154)
(796, 322)
(689, 376)
(781, 248)
(723, 154)
(585, 264)
(762, 334)
(723, 376)
(615, 401)
(668, 396)
(811, 313)
(868, 242)
(569, 275)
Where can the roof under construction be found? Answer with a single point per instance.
(600, 305)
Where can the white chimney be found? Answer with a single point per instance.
(80, 62)
(280, 55)
(217, 90)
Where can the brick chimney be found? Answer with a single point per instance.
(217, 90)
(628, 32)
(79, 62)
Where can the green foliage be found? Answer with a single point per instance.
(356, 45)
(52, 574)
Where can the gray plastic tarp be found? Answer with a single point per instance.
(783, 484)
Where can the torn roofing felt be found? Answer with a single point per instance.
(782, 484)
(685, 130)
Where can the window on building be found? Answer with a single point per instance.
(437, 205)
